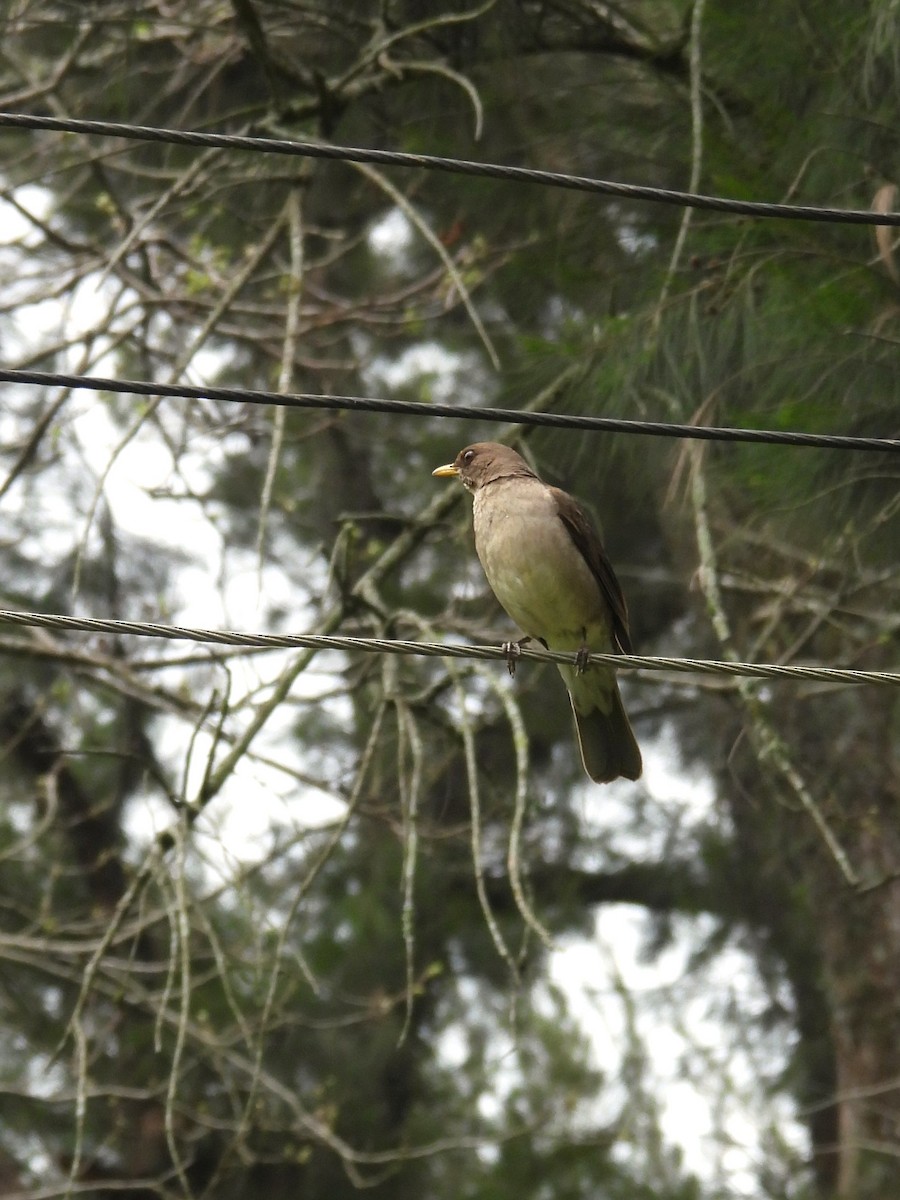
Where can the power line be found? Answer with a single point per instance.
(458, 166)
(314, 641)
(461, 412)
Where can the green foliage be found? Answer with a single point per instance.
(326, 1004)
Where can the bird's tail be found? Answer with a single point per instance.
(605, 737)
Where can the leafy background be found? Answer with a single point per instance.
(260, 923)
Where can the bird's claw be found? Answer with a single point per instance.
(582, 659)
(513, 650)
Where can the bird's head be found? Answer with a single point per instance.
(482, 463)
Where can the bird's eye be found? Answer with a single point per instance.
(468, 456)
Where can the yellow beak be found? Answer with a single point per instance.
(445, 471)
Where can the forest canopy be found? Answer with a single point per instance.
(310, 921)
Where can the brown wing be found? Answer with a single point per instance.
(582, 532)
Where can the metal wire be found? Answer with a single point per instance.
(274, 641)
(461, 412)
(458, 166)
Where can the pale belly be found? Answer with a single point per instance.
(538, 574)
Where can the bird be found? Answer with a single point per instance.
(546, 564)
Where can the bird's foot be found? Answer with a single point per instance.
(582, 659)
(512, 650)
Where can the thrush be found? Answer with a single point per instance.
(546, 565)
